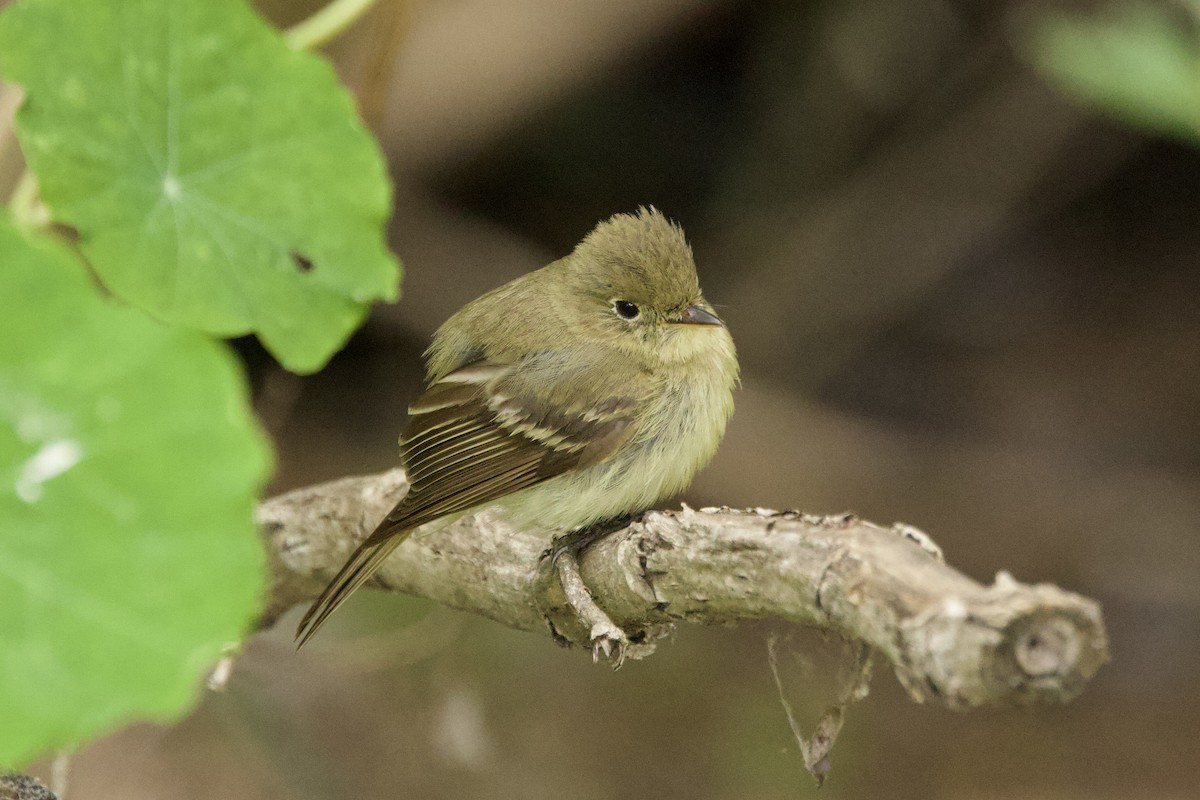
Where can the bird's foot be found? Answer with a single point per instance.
(576, 541)
(606, 637)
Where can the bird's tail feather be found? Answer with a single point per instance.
(357, 571)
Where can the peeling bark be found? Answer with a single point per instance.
(948, 638)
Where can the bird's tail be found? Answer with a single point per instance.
(357, 570)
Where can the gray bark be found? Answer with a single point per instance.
(21, 787)
(948, 638)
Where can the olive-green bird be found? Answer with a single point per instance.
(577, 394)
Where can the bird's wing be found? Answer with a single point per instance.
(473, 437)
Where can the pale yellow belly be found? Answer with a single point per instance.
(680, 437)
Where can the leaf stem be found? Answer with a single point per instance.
(326, 24)
(27, 211)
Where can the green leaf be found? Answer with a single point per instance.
(217, 178)
(1141, 65)
(129, 465)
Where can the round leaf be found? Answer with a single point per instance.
(216, 177)
(129, 465)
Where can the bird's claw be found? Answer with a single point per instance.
(609, 640)
(606, 637)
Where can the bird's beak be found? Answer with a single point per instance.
(695, 315)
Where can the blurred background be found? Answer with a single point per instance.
(961, 299)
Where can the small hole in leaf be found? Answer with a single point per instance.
(302, 262)
(68, 232)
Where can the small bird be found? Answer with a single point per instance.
(572, 396)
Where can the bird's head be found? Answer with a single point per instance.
(633, 281)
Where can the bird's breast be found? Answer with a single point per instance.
(677, 434)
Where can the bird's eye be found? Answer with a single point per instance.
(625, 309)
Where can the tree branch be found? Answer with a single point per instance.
(948, 638)
(21, 787)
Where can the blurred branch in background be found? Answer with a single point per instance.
(950, 640)
(472, 71)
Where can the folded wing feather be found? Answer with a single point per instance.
(473, 438)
